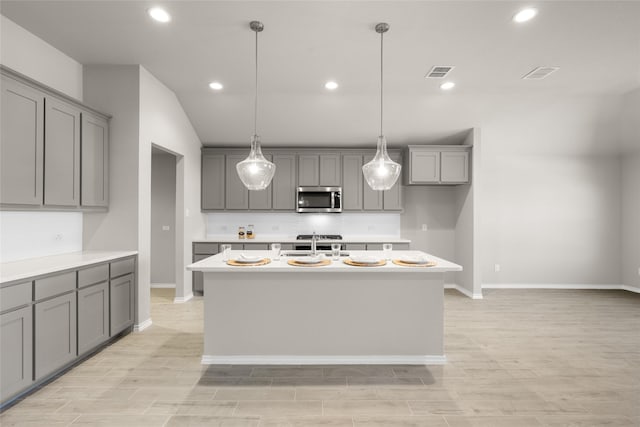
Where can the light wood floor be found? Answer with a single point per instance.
(516, 358)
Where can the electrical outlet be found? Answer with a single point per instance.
(497, 268)
(58, 236)
(424, 227)
(165, 228)
(638, 271)
(186, 212)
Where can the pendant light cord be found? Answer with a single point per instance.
(381, 80)
(255, 104)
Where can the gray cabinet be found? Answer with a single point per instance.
(308, 170)
(213, 181)
(319, 169)
(352, 190)
(392, 198)
(62, 154)
(256, 246)
(121, 294)
(201, 251)
(21, 144)
(435, 165)
(372, 199)
(330, 170)
(356, 246)
(16, 344)
(93, 316)
(236, 194)
(55, 334)
(261, 199)
(284, 182)
(94, 164)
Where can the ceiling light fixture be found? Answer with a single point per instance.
(447, 85)
(381, 173)
(255, 171)
(331, 85)
(525, 15)
(159, 14)
(216, 85)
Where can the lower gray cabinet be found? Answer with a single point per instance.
(16, 342)
(55, 334)
(93, 316)
(198, 278)
(121, 291)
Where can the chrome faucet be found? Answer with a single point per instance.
(313, 244)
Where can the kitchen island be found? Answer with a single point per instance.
(334, 314)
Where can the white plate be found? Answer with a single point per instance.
(416, 259)
(309, 259)
(365, 259)
(248, 259)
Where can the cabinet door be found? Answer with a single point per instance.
(94, 165)
(356, 246)
(284, 182)
(237, 195)
(21, 144)
(372, 199)
(261, 199)
(121, 298)
(330, 171)
(392, 198)
(353, 181)
(213, 181)
(256, 246)
(16, 343)
(308, 170)
(198, 279)
(425, 166)
(62, 154)
(93, 316)
(454, 167)
(55, 334)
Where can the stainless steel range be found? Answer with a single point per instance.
(306, 246)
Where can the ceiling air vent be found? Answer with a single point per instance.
(439, 72)
(539, 73)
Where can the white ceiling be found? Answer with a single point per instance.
(596, 44)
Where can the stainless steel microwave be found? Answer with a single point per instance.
(319, 199)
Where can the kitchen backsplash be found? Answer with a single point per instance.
(291, 224)
(34, 234)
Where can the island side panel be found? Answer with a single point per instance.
(323, 314)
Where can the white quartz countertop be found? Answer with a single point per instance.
(292, 239)
(215, 264)
(27, 268)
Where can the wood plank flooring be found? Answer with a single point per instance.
(516, 358)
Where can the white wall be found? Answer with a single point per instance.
(33, 234)
(30, 55)
(163, 213)
(164, 124)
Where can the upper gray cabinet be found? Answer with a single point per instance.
(392, 198)
(261, 199)
(319, 170)
(428, 165)
(213, 181)
(236, 194)
(54, 151)
(62, 154)
(353, 181)
(284, 182)
(94, 162)
(22, 144)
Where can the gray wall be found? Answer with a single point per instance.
(163, 213)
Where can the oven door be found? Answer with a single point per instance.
(318, 199)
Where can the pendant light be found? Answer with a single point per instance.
(255, 171)
(381, 172)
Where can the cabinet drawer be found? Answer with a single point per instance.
(120, 268)
(93, 275)
(205, 248)
(256, 246)
(55, 285)
(15, 296)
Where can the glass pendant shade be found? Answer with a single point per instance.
(255, 171)
(381, 173)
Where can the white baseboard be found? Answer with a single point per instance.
(180, 300)
(324, 360)
(142, 325)
(463, 291)
(609, 287)
(163, 285)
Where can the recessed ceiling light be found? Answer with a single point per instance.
(447, 85)
(331, 85)
(525, 15)
(216, 85)
(159, 14)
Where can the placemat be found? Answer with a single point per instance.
(306, 264)
(349, 261)
(248, 264)
(409, 264)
